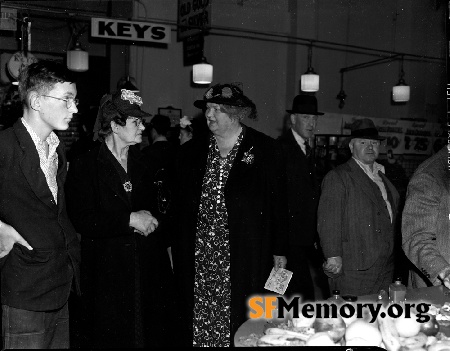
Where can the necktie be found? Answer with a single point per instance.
(307, 149)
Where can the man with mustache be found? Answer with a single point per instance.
(39, 248)
(356, 218)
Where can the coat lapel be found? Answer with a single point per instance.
(108, 175)
(31, 168)
(243, 163)
(363, 180)
(136, 170)
(61, 176)
(300, 167)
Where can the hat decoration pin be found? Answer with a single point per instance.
(131, 97)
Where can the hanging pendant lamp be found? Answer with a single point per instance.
(77, 58)
(310, 79)
(202, 72)
(401, 92)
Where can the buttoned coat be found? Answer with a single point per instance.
(353, 219)
(303, 194)
(255, 197)
(116, 262)
(303, 199)
(425, 220)
(38, 279)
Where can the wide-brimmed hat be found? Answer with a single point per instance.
(226, 94)
(364, 129)
(305, 104)
(128, 103)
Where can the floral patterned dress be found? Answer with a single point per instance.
(212, 286)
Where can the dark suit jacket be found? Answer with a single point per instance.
(256, 206)
(353, 220)
(38, 279)
(425, 221)
(100, 210)
(303, 193)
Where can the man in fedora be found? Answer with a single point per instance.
(356, 218)
(303, 197)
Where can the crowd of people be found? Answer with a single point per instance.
(177, 238)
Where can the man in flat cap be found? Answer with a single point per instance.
(303, 197)
(356, 218)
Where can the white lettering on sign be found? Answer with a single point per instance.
(128, 30)
(193, 17)
(8, 19)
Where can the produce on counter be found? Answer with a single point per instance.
(392, 334)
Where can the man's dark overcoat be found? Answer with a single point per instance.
(353, 219)
(303, 200)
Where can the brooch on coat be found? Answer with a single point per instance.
(128, 186)
(248, 157)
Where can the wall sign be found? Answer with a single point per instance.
(194, 16)
(8, 19)
(130, 30)
(402, 136)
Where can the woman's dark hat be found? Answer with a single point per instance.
(305, 104)
(226, 94)
(365, 129)
(128, 103)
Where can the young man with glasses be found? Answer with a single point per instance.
(39, 248)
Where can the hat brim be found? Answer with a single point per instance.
(370, 137)
(136, 113)
(305, 113)
(202, 103)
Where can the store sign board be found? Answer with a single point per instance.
(194, 16)
(8, 19)
(403, 137)
(192, 50)
(130, 30)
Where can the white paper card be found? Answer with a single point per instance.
(278, 280)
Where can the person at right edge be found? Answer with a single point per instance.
(425, 222)
(303, 197)
(356, 218)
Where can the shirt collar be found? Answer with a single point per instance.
(300, 140)
(52, 140)
(376, 167)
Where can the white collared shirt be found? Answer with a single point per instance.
(377, 179)
(300, 140)
(49, 165)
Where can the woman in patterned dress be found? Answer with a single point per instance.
(229, 218)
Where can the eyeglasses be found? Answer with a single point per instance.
(138, 121)
(69, 101)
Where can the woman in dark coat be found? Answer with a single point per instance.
(229, 213)
(125, 269)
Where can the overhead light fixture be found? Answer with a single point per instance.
(77, 58)
(310, 79)
(401, 92)
(202, 72)
(341, 96)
